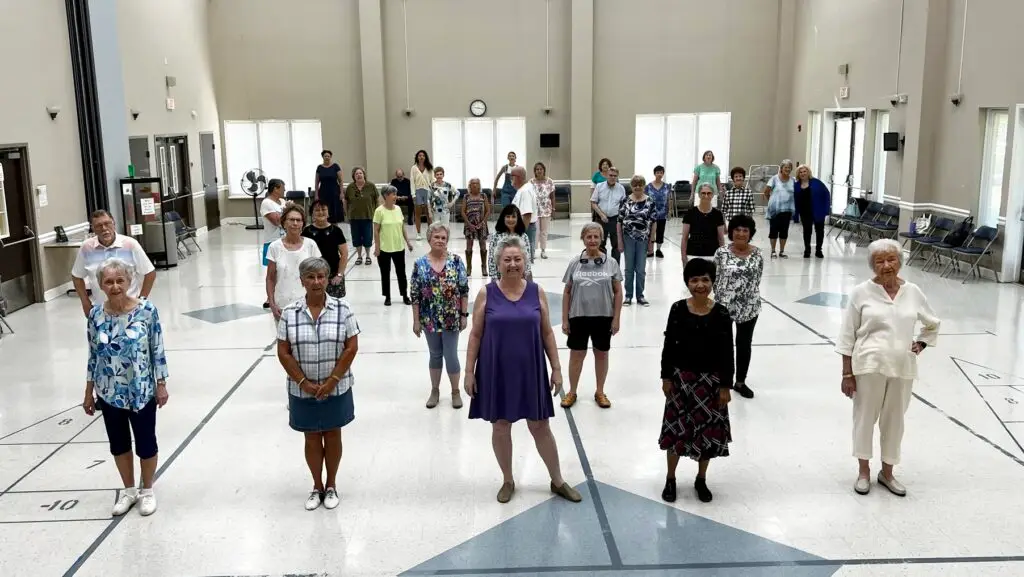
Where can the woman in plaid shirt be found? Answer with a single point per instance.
(739, 200)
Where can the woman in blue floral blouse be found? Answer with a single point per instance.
(126, 380)
(440, 301)
(636, 225)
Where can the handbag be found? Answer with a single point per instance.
(336, 290)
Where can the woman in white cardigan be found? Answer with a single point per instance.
(879, 352)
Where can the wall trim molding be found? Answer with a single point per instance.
(58, 291)
(51, 237)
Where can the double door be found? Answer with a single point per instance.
(847, 158)
(172, 167)
(18, 257)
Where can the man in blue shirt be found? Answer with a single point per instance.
(605, 202)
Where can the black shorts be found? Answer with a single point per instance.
(778, 225)
(597, 330)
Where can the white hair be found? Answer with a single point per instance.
(510, 241)
(786, 162)
(312, 265)
(706, 185)
(883, 246)
(436, 226)
(592, 226)
(115, 265)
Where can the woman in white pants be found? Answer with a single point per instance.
(879, 352)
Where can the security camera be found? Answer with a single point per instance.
(408, 111)
(135, 114)
(53, 111)
(548, 109)
(956, 99)
(894, 99)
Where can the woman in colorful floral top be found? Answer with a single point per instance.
(738, 286)
(476, 210)
(636, 223)
(545, 189)
(440, 301)
(442, 197)
(659, 190)
(126, 378)
(510, 223)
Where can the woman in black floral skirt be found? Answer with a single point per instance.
(696, 375)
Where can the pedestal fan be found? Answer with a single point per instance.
(254, 183)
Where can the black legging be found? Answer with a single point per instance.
(744, 340)
(611, 234)
(819, 233)
(384, 262)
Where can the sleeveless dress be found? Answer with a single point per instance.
(330, 192)
(512, 381)
(475, 208)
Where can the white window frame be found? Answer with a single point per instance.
(500, 155)
(722, 159)
(289, 179)
(813, 151)
(990, 197)
(881, 156)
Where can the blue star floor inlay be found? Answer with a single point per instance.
(825, 299)
(226, 313)
(557, 537)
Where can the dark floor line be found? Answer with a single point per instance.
(77, 565)
(62, 491)
(216, 349)
(837, 563)
(595, 494)
(987, 404)
(52, 521)
(54, 443)
(47, 457)
(798, 321)
(978, 435)
(25, 428)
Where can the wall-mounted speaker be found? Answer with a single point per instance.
(891, 141)
(549, 140)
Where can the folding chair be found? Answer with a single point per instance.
(888, 222)
(183, 233)
(978, 245)
(854, 225)
(3, 310)
(941, 227)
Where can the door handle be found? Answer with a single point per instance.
(29, 237)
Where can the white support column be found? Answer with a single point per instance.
(581, 102)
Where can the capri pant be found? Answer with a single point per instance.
(778, 225)
(444, 346)
(122, 423)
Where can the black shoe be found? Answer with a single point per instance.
(406, 300)
(668, 494)
(703, 493)
(266, 305)
(659, 254)
(818, 254)
(807, 253)
(743, 390)
(387, 301)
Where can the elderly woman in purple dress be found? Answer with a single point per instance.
(506, 375)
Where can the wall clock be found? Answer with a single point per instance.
(478, 107)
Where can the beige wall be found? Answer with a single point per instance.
(645, 63)
(160, 39)
(38, 75)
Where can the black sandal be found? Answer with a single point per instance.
(668, 494)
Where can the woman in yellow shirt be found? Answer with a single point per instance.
(390, 243)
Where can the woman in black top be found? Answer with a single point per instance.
(332, 244)
(696, 373)
(703, 227)
(329, 186)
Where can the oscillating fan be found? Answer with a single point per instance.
(254, 183)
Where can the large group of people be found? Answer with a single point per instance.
(512, 368)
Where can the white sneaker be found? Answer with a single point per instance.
(125, 502)
(331, 498)
(314, 500)
(418, 236)
(147, 502)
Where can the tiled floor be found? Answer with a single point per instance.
(418, 486)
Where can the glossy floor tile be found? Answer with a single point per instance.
(417, 487)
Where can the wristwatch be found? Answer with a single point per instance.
(464, 315)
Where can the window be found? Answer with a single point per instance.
(477, 147)
(5, 226)
(285, 149)
(993, 158)
(677, 142)
(881, 156)
(813, 152)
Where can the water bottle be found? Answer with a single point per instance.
(913, 227)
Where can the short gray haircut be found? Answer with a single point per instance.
(706, 185)
(589, 227)
(436, 226)
(313, 264)
(882, 246)
(510, 241)
(388, 189)
(786, 162)
(117, 266)
(519, 170)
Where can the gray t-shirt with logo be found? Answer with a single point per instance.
(592, 286)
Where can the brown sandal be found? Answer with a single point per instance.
(569, 400)
(602, 400)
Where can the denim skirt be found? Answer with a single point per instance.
(313, 416)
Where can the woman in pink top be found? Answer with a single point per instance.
(545, 188)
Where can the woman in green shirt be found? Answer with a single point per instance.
(707, 172)
(390, 244)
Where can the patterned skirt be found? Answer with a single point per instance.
(694, 425)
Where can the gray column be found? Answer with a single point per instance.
(581, 101)
(110, 95)
(371, 52)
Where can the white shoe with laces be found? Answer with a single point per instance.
(147, 502)
(125, 501)
(331, 498)
(314, 500)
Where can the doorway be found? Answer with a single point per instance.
(208, 161)
(18, 258)
(847, 155)
(172, 167)
(138, 151)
